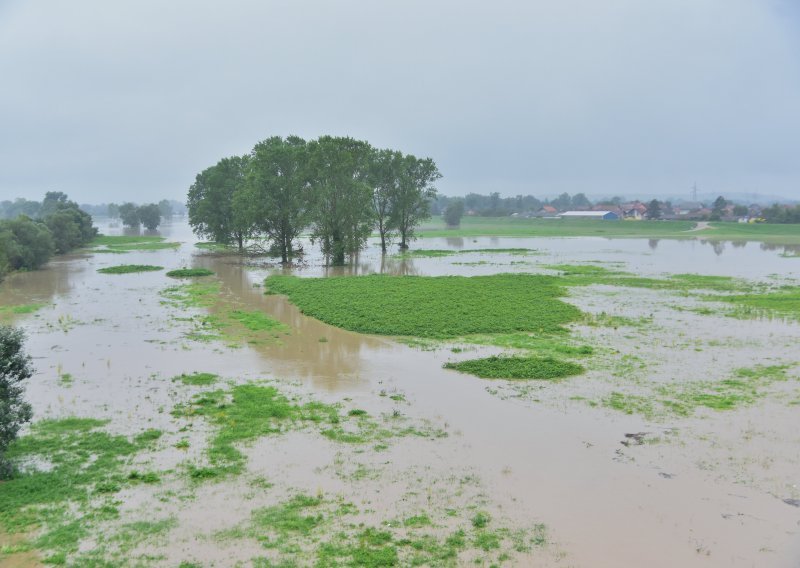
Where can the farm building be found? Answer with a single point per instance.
(606, 215)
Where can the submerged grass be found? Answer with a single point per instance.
(125, 243)
(250, 411)
(190, 272)
(436, 253)
(746, 386)
(69, 472)
(21, 309)
(431, 307)
(129, 268)
(306, 530)
(505, 367)
(197, 379)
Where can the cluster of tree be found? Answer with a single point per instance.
(492, 205)
(339, 188)
(134, 216)
(781, 214)
(15, 367)
(60, 226)
(167, 207)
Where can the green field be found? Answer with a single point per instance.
(431, 307)
(519, 227)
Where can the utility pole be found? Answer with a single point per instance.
(694, 192)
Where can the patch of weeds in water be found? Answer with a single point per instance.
(21, 309)
(509, 367)
(194, 295)
(197, 379)
(550, 345)
(431, 307)
(258, 321)
(190, 273)
(124, 243)
(745, 387)
(247, 413)
(316, 531)
(129, 269)
(216, 247)
(781, 303)
(68, 471)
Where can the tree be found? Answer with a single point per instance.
(70, 228)
(129, 214)
(55, 201)
(654, 209)
(149, 215)
(718, 209)
(454, 212)
(413, 194)
(580, 201)
(342, 214)
(562, 202)
(113, 210)
(277, 195)
(165, 208)
(15, 367)
(211, 203)
(384, 171)
(740, 210)
(32, 244)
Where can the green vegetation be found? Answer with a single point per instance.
(521, 227)
(59, 226)
(129, 268)
(148, 215)
(66, 489)
(258, 321)
(431, 307)
(435, 253)
(197, 379)
(15, 367)
(506, 367)
(21, 309)
(252, 411)
(336, 187)
(783, 303)
(189, 273)
(682, 399)
(307, 530)
(125, 243)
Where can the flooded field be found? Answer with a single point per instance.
(677, 447)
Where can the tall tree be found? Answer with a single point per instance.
(129, 214)
(210, 202)
(654, 209)
(165, 208)
(277, 194)
(149, 216)
(15, 367)
(70, 228)
(32, 243)
(384, 174)
(412, 197)
(454, 212)
(342, 198)
(718, 209)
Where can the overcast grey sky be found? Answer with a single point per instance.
(128, 100)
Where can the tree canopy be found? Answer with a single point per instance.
(337, 188)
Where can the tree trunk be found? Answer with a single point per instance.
(241, 244)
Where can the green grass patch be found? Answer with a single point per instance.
(69, 470)
(744, 387)
(216, 247)
(125, 243)
(431, 307)
(436, 253)
(189, 273)
(542, 345)
(258, 321)
(508, 367)
(197, 379)
(782, 303)
(194, 295)
(129, 268)
(21, 309)
(520, 227)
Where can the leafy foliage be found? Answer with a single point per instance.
(189, 272)
(435, 307)
(517, 368)
(15, 367)
(129, 268)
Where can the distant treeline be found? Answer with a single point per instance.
(59, 226)
(341, 189)
(493, 205)
(781, 214)
(22, 206)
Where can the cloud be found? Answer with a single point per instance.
(129, 100)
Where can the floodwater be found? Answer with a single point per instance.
(711, 493)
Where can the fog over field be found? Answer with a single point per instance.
(110, 101)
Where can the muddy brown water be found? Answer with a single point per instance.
(710, 496)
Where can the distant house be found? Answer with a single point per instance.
(605, 215)
(546, 211)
